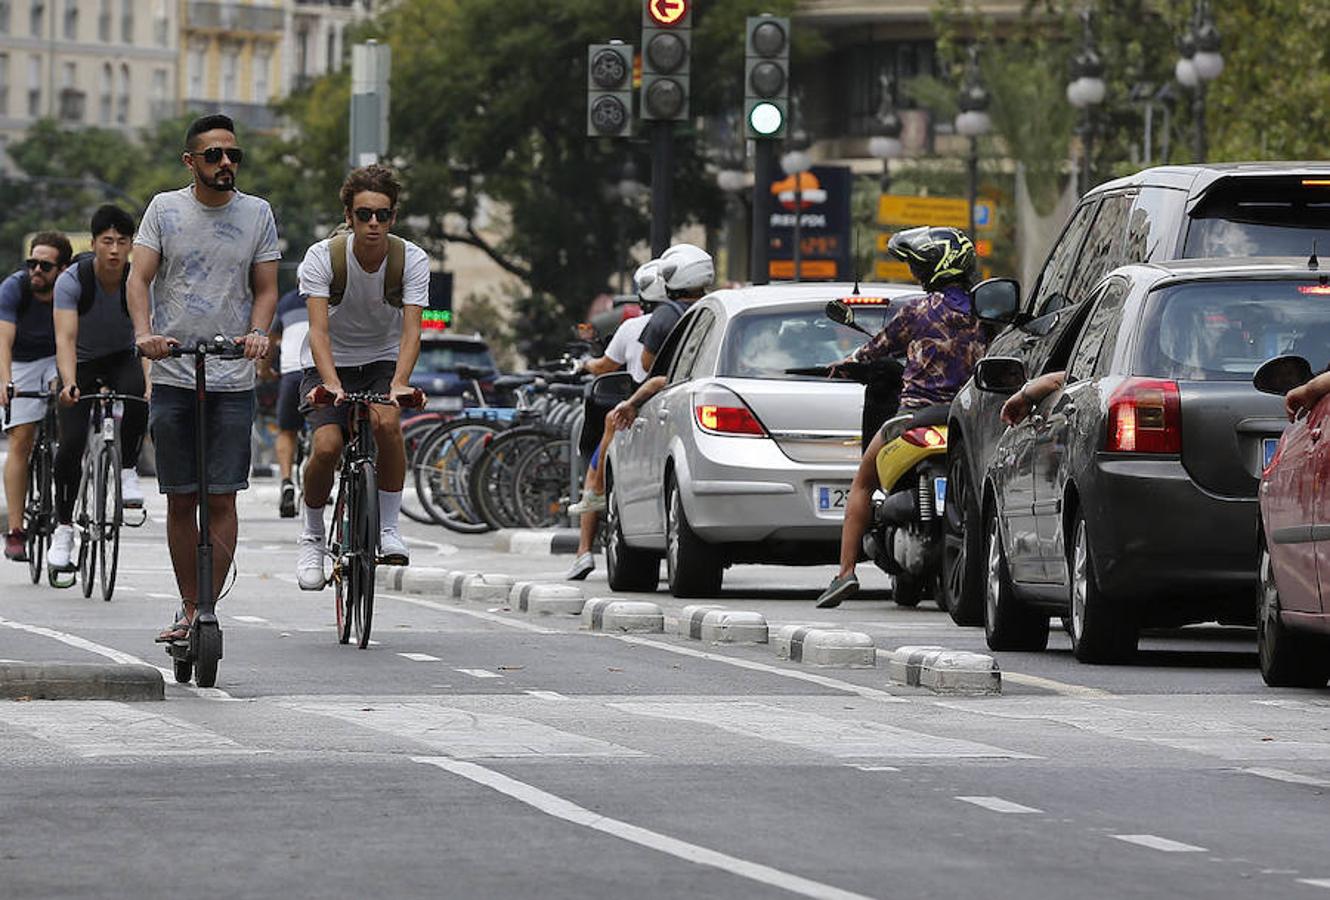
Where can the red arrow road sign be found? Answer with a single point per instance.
(667, 12)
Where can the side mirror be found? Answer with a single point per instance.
(611, 389)
(1282, 374)
(839, 311)
(999, 374)
(997, 300)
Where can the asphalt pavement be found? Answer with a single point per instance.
(475, 751)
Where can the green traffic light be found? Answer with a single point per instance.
(766, 118)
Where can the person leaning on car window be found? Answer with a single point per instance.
(1304, 398)
(941, 339)
(1022, 403)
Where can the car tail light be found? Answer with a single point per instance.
(1145, 416)
(720, 411)
(925, 437)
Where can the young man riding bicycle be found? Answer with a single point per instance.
(366, 290)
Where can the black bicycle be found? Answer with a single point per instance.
(354, 546)
(100, 513)
(39, 510)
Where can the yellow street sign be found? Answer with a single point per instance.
(890, 270)
(895, 209)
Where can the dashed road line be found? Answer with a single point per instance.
(998, 805)
(251, 620)
(1316, 882)
(560, 808)
(479, 673)
(419, 657)
(1155, 842)
(878, 768)
(1287, 777)
(1061, 688)
(546, 695)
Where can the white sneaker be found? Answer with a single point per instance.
(61, 555)
(590, 502)
(392, 549)
(131, 495)
(309, 563)
(583, 566)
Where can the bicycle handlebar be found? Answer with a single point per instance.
(11, 393)
(324, 397)
(219, 346)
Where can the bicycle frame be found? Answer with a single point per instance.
(39, 505)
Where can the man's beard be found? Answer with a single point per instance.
(220, 183)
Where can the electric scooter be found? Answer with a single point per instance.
(199, 655)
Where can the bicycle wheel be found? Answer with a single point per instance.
(87, 536)
(37, 514)
(366, 557)
(301, 459)
(441, 470)
(341, 573)
(492, 477)
(415, 431)
(109, 516)
(541, 482)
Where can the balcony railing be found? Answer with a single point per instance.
(250, 116)
(71, 105)
(231, 17)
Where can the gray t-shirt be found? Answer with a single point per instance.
(105, 328)
(203, 285)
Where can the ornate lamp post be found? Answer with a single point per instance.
(973, 123)
(1085, 91)
(1200, 62)
(886, 144)
(795, 161)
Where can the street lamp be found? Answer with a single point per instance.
(795, 161)
(886, 144)
(973, 123)
(1085, 91)
(628, 189)
(1200, 62)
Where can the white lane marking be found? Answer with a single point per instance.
(1289, 777)
(546, 695)
(462, 733)
(560, 808)
(474, 613)
(73, 640)
(877, 768)
(419, 657)
(823, 680)
(1154, 842)
(157, 596)
(479, 673)
(1058, 687)
(998, 805)
(127, 588)
(841, 738)
(251, 620)
(1316, 882)
(93, 728)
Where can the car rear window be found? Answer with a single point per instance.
(438, 356)
(1224, 330)
(764, 344)
(1260, 217)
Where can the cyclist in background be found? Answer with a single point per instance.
(288, 332)
(94, 341)
(364, 335)
(27, 359)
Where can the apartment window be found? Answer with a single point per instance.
(161, 25)
(34, 86)
(4, 16)
(107, 89)
(37, 18)
(127, 21)
(104, 21)
(230, 69)
(69, 75)
(122, 101)
(159, 104)
(195, 70)
(4, 87)
(332, 51)
(262, 66)
(71, 20)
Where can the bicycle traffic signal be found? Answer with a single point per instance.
(609, 85)
(667, 37)
(766, 77)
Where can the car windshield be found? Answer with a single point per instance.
(441, 356)
(764, 344)
(1224, 330)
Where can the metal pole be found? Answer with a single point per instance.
(764, 165)
(798, 225)
(662, 184)
(1199, 108)
(974, 180)
(1149, 133)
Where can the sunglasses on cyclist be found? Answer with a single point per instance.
(364, 214)
(213, 155)
(44, 264)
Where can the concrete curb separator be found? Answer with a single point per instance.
(689, 623)
(826, 647)
(905, 663)
(946, 671)
(421, 580)
(80, 681)
(536, 542)
(611, 614)
(593, 612)
(727, 626)
(487, 588)
(547, 599)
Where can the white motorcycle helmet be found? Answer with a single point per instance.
(686, 269)
(650, 286)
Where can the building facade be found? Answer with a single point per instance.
(317, 38)
(231, 59)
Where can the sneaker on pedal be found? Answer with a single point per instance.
(287, 508)
(309, 562)
(590, 502)
(392, 549)
(16, 545)
(131, 495)
(60, 557)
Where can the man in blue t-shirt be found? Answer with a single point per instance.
(27, 360)
(288, 332)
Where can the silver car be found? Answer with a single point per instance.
(737, 461)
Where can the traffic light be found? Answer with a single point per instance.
(766, 77)
(667, 38)
(609, 86)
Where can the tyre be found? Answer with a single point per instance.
(83, 515)
(441, 473)
(493, 475)
(184, 670)
(1102, 630)
(365, 516)
(540, 483)
(109, 517)
(1008, 623)
(1287, 658)
(342, 570)
(208, 643)
(692, 566)
(36, 518)
(415, 431)
(962, 544)
(627, 568)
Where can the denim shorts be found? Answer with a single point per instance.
(230, 420)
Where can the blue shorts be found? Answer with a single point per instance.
(288, 402)
(230, 421)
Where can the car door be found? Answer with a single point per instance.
(1294, 502)
(1067, 412)
(1012, 472)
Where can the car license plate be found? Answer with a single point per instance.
(940, 493)
(443, 404)
(830, 498)
(1268, 448)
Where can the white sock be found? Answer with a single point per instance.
(313, 520)
(390, 504)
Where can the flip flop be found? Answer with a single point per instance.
(178, 631)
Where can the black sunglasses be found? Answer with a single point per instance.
(44, 264)
(213, 155)
(364, 214)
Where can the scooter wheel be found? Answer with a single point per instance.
(208, 654)
(184, 670)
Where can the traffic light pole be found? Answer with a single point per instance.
(662, 184)
(764, 167)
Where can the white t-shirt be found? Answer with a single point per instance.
(626, 347)
(363, 328)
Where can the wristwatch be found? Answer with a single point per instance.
(259, 331)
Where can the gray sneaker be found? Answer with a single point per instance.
(583, 566)
(839, 589)
(590, 502)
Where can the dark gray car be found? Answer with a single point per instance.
(1159, 214)
(1128, 499)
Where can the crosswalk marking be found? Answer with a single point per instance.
(1154, 842)
(97, 728)
(998, 805)
(419, 657)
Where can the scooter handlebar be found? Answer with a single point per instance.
(220, 346)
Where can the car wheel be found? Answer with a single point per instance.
(962, 544)
(1102, 630)
(1288, 659)
(693, 566)
(1008, 623)
(627, 568)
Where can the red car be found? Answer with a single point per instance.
(1293, 605)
